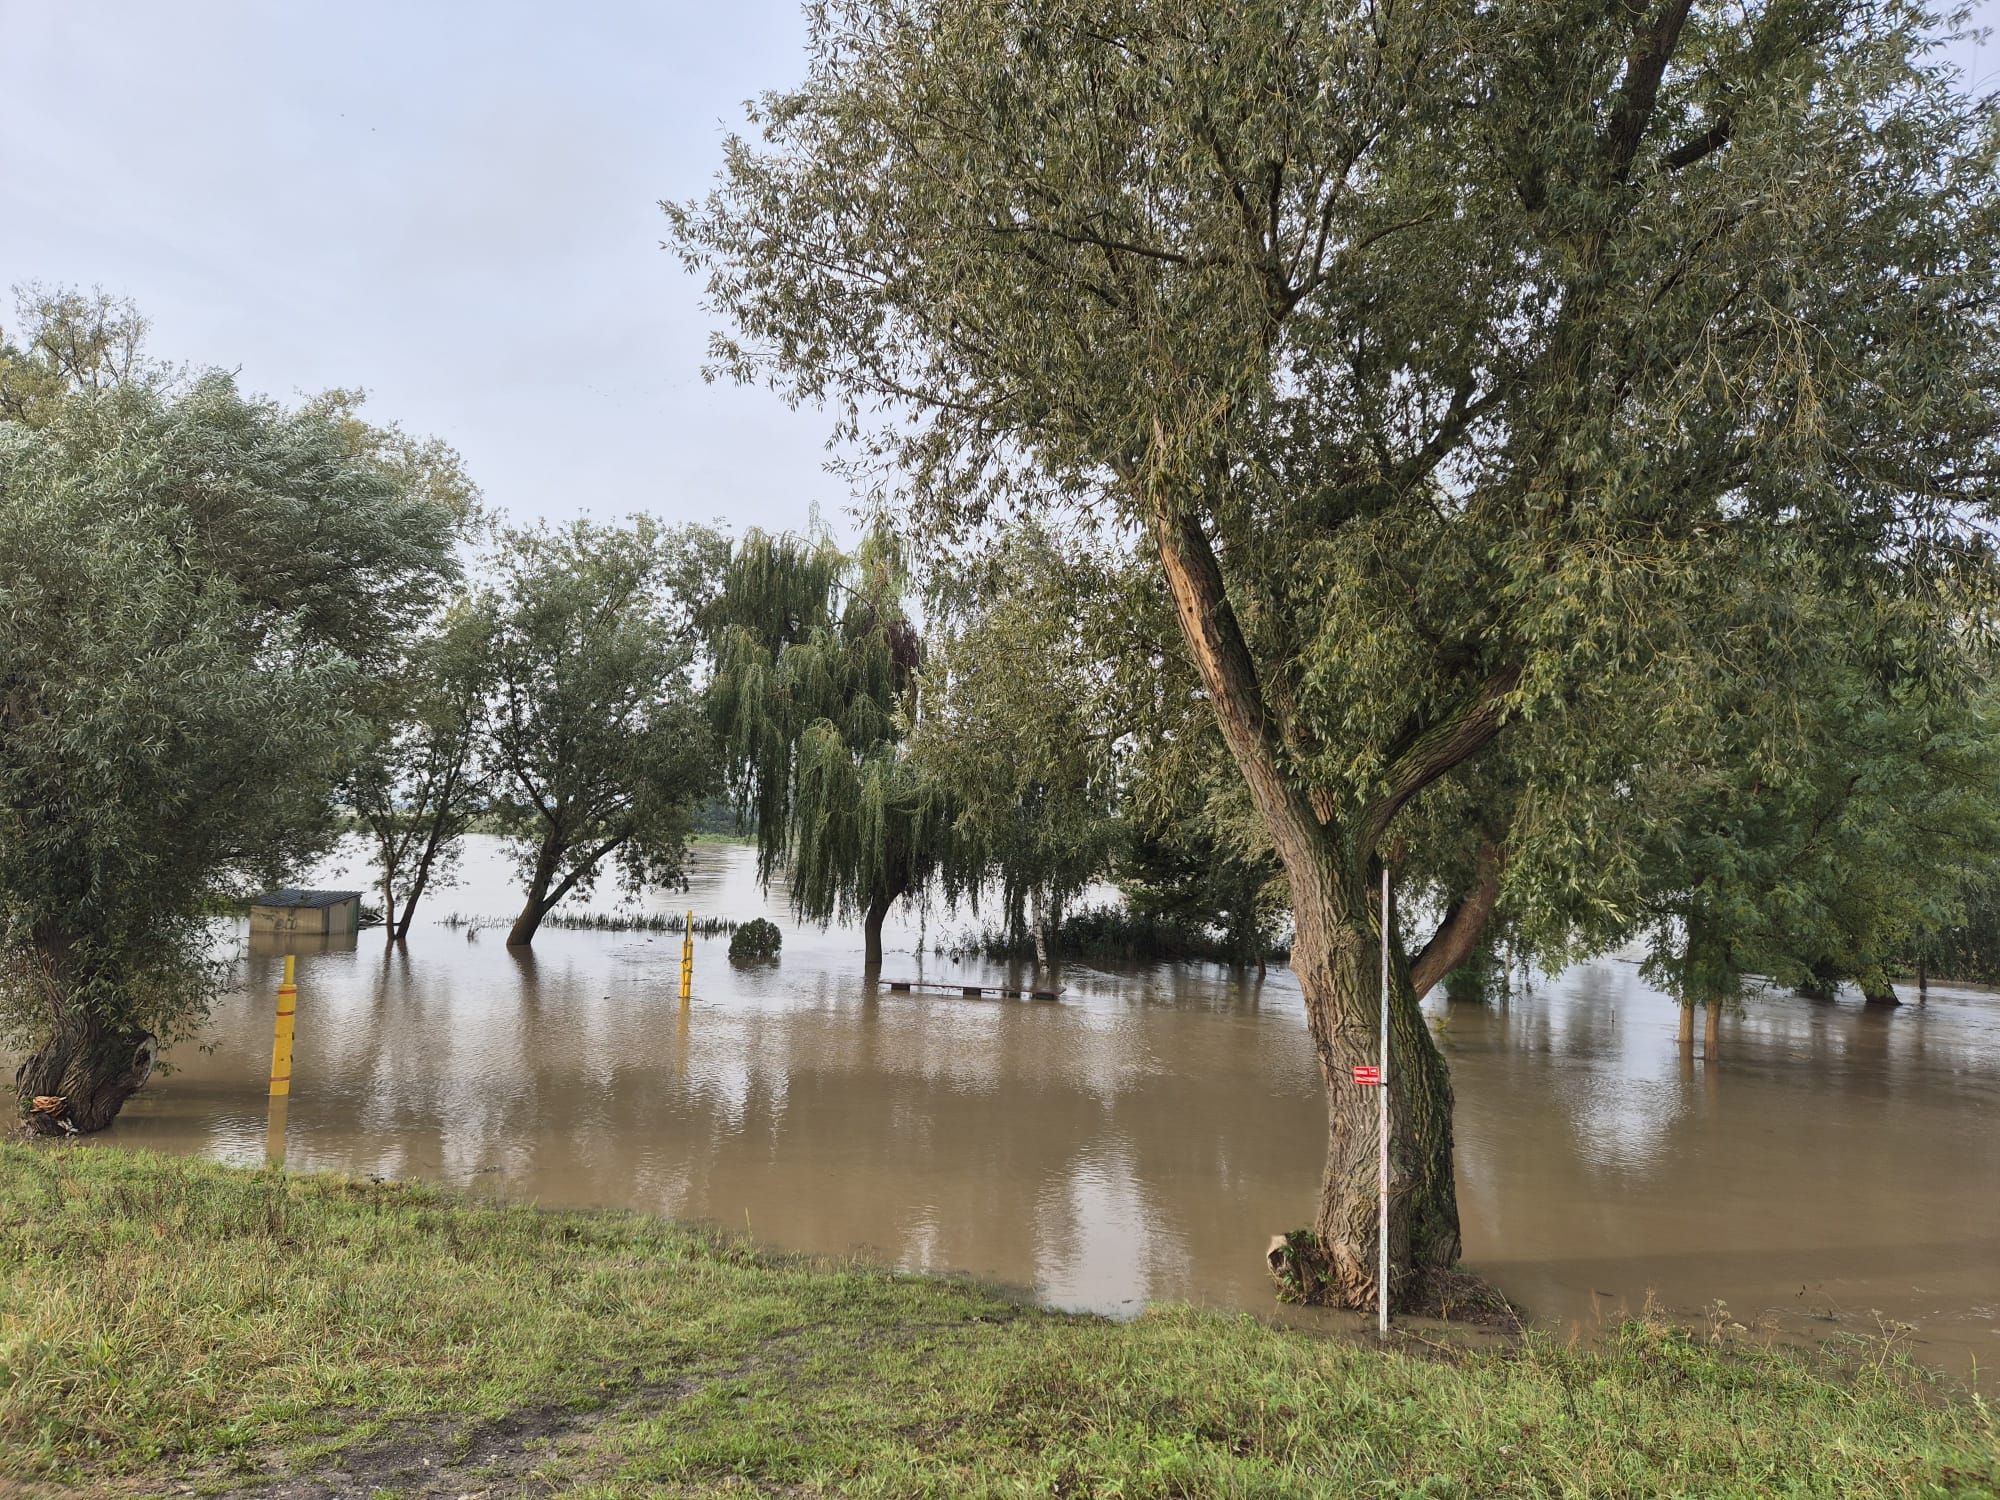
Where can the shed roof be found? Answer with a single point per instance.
(296, 898)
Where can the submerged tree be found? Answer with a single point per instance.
(193, 586)
(812, 696)
(1018, 731)
(1454, 359)
(421, 781)
(1816, 842)
(596, 740)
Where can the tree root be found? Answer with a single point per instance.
(1304, 1278)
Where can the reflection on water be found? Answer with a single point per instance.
(1138, 1141)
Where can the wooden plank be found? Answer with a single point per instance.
(977, 991)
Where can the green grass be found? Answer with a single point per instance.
(163, 1320)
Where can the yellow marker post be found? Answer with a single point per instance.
(687, 959)
(274, 1131)
(281, 1038)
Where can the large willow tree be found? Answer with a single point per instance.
(196, 587)
(813, 693)
(1455, 359)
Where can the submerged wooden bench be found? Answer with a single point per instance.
(954, 987)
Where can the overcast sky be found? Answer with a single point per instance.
(452, 205)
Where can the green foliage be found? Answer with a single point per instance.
(1818, 841)
(1018, 732)
(66, 341)
(756, 941)
(1474, 355)
(1124, 935)
(1478, 979)
(193, 586)
(812, 693)
(1202, 864)
(419, 783)
(596, 737)
(1967, 949)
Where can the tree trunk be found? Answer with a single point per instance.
(389, 909)
(92, 1067)
(1046, 919)
(871, 928)
(1687, 1027)
(1878, 991)
(1336, 959)
(1329, 865)
(433, 840)
(1711, 1031)
(1923, 981)
(410, 901)
(541, 899)
(523, 931)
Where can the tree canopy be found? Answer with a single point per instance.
(193, 583)
(1461, 365)
(1018, 734)
(421, 778)
(812, 695)
(596, 739)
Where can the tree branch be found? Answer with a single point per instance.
(581, 869)
(1430, 754)
(1215, 640)
(1710, 141)
(1459, 932)
(1646, 62)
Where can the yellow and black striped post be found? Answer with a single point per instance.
(281, 1038)
(687, 959)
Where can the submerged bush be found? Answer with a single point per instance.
(1117, 932)
(756, 941)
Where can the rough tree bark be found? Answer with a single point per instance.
(93, 1066)
(1687, 1027)
(1458, 935)
(1711, 1031)
(1333, 869)
(879, 907)
(1336, 959)
(544, 891)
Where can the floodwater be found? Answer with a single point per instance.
(1837, 1169)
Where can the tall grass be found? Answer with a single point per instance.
(603, 921)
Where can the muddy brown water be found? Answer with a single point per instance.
(1836, 1169)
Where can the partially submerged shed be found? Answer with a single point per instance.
(314, 913)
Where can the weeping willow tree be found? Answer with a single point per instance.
(814, 690)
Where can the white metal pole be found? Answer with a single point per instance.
(1382, 1232)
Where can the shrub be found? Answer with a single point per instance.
(756, 941)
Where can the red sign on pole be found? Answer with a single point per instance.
(1367, 1076)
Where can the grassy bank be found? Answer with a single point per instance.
(168, 1321)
